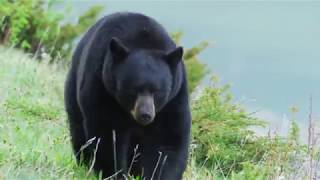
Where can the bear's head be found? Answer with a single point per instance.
(141, 80)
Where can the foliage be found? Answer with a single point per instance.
(226, 145)
(220, 130)
(195, 69)
(34, 139)
(36, 28)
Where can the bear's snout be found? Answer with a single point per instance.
(144, 110)
(145, 118)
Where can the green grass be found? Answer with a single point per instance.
(35, 142)
(34, 138)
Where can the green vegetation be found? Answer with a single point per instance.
(35, 27)
(225, 145)
(34, 138)
(195, 69)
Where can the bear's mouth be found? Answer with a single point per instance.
(144, 121)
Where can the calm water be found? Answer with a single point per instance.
(269, 52)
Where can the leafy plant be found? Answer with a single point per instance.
(225, 144)
(195, 69)
(34, 26)
(221, 131)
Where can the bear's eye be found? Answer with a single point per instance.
(131, 91)
(159, 92)
(128, 91)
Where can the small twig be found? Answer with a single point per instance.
(94, 157)
(114, 140)
(204, 162)
(85, 145)
(161, 168)
(311, 139)
(220, 169)
(310, 126)
(112, 176)
(269, 133)
(125, 177)
(155, 168)
(142, 173)
(40, 44)
(254, 112)
(135, 156)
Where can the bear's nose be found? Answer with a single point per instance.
(145, 118)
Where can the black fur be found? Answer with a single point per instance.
(122, 55)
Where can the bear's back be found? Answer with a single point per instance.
(137, 31)
(134, 30)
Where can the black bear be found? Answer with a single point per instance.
(126, 91)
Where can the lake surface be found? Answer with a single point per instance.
(268, 51)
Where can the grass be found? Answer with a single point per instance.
(35, 142)
(34, 138)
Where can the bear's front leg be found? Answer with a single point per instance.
(98, 126)
(161, 163)
(109, 150)
(99, 151)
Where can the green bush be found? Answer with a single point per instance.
(225, 144)
(34, 26)
(221, 131)
(195, 69)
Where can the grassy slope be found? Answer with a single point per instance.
(34, 138)
(34, 141)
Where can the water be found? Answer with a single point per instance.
(268, 51)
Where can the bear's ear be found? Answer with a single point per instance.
(118, 49)
(174, 56)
